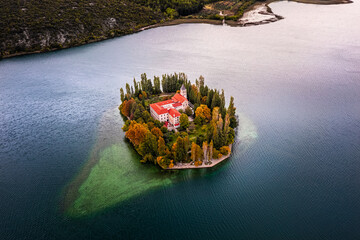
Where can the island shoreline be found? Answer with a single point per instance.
(214, 162)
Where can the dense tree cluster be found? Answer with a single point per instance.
(197, 142)
(181, 7)
(173, 82)
(242, 8)
(44, 25)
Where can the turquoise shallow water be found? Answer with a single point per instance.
(296, 80)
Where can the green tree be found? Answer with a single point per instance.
(231, 109)
(149, 145)
(233, 122)
(222, 99)
(180, 152)
(186, 146)
(198, 120)
(146, 116)
(184, 121)
(230, 137)
(137, 113)
(216, 138)
(202, 86)
(216, 101)
(122, 95)
(163, 129)
(209, 98)
(136, 87)
(157, 89)
(128, 91)
(162, 149)
(171, 13)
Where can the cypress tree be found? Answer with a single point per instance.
(231, 108)
(128, 89)
(179, 152)
(222, 99)
(216, 101)
(122, 95)
(136, 87)
(209, 98)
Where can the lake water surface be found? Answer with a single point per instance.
(296, 82)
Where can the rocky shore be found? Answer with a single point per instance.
(324, 2)
(213, 163)
(259, 14)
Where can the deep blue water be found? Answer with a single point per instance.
(297, 80)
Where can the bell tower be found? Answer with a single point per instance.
(183, 91)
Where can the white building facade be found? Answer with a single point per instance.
(168, 111)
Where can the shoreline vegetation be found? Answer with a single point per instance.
(200, 137)
(213, 163)
(31, 27)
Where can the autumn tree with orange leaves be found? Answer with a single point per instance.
(136, 133)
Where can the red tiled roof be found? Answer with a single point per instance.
(177, 105)
(165, 102)
(159, 110)
(176, 101)
(174, 113)
(179, 98)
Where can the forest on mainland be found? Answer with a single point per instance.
(29, 26)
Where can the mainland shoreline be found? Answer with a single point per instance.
(257, 14)
(259, 8)
(323, 2)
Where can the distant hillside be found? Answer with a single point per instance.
(43, 25)
(29, 26)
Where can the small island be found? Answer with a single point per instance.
(176, 124)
